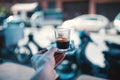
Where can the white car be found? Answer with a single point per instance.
(87, 22)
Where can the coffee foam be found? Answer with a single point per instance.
(61, 39)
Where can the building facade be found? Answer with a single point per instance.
(73, 8)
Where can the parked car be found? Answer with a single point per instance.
(87, 22)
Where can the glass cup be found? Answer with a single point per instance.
(62, 38)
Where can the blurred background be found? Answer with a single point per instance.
(27, 26)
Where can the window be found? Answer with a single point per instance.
(51, 5)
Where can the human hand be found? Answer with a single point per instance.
(45, 62)
(49, 57)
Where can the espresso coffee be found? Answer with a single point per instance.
(62, 43)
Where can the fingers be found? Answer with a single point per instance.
(51, 51)
(38, 55)
(34, 59)
(42, 51)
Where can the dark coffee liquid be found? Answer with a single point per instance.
(62, 43)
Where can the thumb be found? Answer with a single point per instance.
(51, 51)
